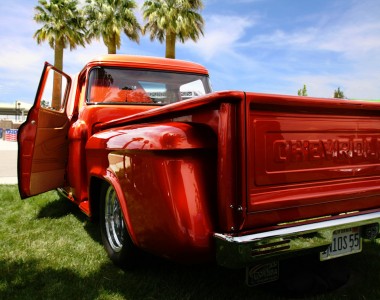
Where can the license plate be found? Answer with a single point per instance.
(345, 241)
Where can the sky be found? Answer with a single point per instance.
(266, 46)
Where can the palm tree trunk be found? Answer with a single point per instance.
(58, 55)
(111, 45)
(170, 44)
(57, 81)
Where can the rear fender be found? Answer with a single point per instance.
(168, 142)
(166, 136)
(96, 184)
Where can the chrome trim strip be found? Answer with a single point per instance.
(239, 251)
(302, 228)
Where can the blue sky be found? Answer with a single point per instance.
(269, 46)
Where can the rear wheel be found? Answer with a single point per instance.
(115, 237)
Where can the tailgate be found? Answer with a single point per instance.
(310, 158)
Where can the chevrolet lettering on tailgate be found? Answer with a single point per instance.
(342, 149)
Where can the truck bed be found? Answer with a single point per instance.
(310, 158)
(306, 170)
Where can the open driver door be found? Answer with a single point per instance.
(42, 138)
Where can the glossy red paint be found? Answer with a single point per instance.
(147, 62)
(183, 110)
(312, 158)
(174, 216)
(42, 145)
(25, 153)
(165, 178)
(172, 147)
(228, 162)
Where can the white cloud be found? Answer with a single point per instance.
(341, 50)
(354, 31)
(75, 60)
(243, 50)
(22, 59)
(18, 55)
(222, 35)
(352, 39)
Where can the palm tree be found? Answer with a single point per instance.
(169, 20)
(107, 18)
(63, 26)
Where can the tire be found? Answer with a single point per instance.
(114, 233)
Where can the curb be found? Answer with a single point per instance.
(8, 180)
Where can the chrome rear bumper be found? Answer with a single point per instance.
(240, 251)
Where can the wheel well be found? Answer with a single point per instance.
(96, 185)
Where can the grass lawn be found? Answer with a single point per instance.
(49, 250)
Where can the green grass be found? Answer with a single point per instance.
(49, 250)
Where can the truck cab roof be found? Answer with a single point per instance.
(147, 62)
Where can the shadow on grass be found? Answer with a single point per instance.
(62, 207)
(156, 278)
(28, 280)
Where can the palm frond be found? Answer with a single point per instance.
(109, 18)
(177, 16)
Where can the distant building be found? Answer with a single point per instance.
(15, 112)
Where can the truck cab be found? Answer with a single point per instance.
(108, 88)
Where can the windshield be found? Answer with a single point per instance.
(120, 85)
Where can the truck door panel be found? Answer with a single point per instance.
(42, 139)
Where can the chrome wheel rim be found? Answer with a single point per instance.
(114, 222)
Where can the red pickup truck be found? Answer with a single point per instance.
(169, 167)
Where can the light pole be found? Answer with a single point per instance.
(18, 110)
